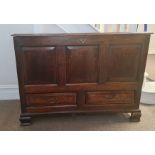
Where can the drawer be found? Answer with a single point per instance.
(54, 99)
(110, 97)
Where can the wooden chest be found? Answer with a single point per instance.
(72, 73)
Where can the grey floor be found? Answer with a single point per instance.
(10, 110)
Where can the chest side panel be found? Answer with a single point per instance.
(124, 62)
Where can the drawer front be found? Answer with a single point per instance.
(110, 97)
(54, 99)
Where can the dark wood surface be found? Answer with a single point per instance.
(70, 73)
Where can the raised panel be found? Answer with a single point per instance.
(123, 62)
(82, 64)
(52, 99)
(110, 97)
(40, 65)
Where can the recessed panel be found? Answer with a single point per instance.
(40, 65)
(82, 64)
(123, 62)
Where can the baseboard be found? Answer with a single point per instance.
(151, 51)
(9, 92)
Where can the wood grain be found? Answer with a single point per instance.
(70, 73)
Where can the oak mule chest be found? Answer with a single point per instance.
(73, 73)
